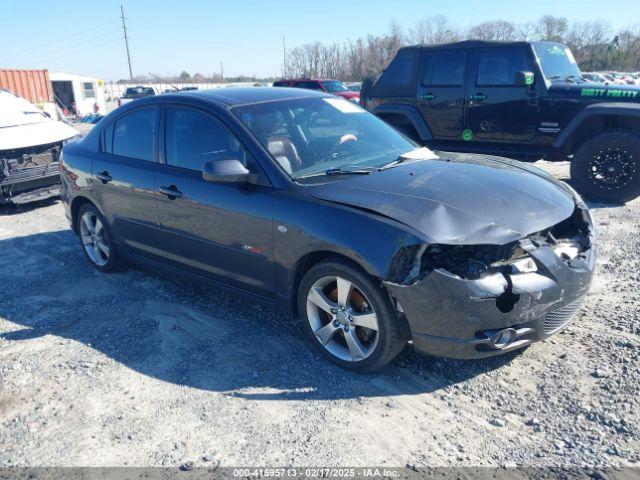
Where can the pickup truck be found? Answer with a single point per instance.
(133, 93)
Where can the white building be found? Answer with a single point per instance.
(78, 94)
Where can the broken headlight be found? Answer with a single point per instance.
(520, 265)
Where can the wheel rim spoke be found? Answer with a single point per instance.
(98, 227)
(367, 320)
(326, 333)
(344, 291)
(355, 347)
(86, 220)
(320, 300)
(103, 247)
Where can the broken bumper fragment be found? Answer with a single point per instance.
(498, 312)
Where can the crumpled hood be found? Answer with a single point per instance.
(467, 201)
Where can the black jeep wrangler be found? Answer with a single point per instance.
(524, 100)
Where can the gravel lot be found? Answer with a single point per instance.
(140, 369)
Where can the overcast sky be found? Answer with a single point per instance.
(85, 37)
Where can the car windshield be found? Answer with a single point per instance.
(321, 136)
(332, 86)
(557, 61)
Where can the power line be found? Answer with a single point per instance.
(63, 39)
(74, 47)
(76, 51)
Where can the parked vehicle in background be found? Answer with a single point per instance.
(524, 100)
(329, 214)
(354, 86)
(594, 77)
(30, 146)
(612, 79)
(335, 87)
(135, 93)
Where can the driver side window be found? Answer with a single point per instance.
(498, 67)
(193, 138)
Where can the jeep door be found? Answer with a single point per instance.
(499, 110)
(218, 231)
(441, 92)
(123, 182)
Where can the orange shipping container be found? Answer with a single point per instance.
(34, 85)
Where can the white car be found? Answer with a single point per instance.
(30, 146)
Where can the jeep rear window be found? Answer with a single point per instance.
(399, 79)
(444, 69)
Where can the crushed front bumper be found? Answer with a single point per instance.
(32, 184)
(457, 318)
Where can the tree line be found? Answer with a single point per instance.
(595, 45)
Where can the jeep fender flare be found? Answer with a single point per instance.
(411, 113)
(606, 108)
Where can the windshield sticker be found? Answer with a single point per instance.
(467, 135)
(603, 92)
(344, 105)
(555, 50)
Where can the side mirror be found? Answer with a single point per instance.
(225, 171)
(525, 79)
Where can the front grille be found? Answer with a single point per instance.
(554, 321)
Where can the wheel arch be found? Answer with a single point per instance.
(409, 115)
(595, 119)
(309, 260)
(74, 208)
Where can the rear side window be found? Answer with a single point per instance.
(194, 138)
(444, 69)
(134, 133)
(499, 67)
(399, 79)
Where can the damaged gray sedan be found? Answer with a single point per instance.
(307, 202)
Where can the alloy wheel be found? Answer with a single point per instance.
(93, 238)
(342, 318)
(612, 169)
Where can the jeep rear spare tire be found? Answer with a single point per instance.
(607, 167)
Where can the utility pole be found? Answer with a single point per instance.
(221, 72)
(126, 42)
(284, 58)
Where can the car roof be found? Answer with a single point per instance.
(474, 44)
(245, 95)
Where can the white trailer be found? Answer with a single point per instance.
(78, 94)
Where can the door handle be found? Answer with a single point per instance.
(170, 191)
(104, 177)
(428, 96)
(478, 97)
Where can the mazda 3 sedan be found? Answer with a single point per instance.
(307, 202)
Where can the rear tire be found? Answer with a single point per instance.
(606, 167)
(348, 336)
(96, 240)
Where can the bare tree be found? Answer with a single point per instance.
(526, 31)
(552, 29)
(433, 30)
(493, 30)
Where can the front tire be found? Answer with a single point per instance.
(96, 241)
(607, 167)
(348, 318)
